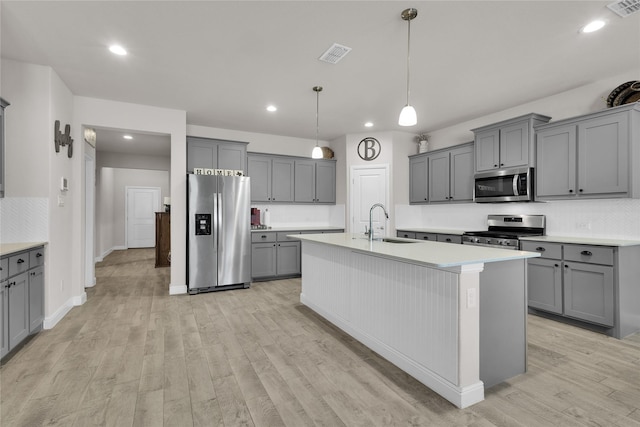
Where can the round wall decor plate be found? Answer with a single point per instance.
(629, 95)
(611, 99)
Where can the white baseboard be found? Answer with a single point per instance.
(108, 251)
(51, 321)
(177, 289)
(91, 284)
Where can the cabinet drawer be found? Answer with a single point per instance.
(263, 237)
(4, 268)
(282, 236)
(18, 263)
(406, 234)
(546, 250)
(449, 238)
(427, 236)
(36, 257)
(590, 254)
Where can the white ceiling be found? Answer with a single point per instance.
(223, 62)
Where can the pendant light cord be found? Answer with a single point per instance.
(317, 114)
(408, 55)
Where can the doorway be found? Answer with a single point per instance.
(369, 185)
(141, 205)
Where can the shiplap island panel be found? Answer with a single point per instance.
(422, 305)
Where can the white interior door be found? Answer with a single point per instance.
(142, 204)
(369, 185)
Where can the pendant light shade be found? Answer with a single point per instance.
(317, 151)
(408, 115)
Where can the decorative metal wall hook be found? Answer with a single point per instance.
(61, 139)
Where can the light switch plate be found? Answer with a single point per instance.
(60, 200)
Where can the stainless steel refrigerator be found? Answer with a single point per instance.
(219, 233)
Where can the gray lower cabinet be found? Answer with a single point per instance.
(589, 156)
(215, 154)
(21, 297)
(315, 181)
(581, 282)
(442, 176)
(272, 178)
(434, 237)
(274, 255)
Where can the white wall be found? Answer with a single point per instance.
(133, 161)
(38, 97)
(111, 202)
(614, 218)
(259, 142)
(575, 102)
(120, 115)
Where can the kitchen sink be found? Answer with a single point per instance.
(390, 240)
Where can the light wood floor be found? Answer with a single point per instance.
(133, 355)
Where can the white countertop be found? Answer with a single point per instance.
(431, 230)
(10, 248)
(434, 254)
(583, 240)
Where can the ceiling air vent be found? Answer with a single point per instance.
(625, 8)
(335, 53)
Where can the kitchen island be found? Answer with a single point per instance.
(452, 316)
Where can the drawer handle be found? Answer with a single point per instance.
(20, 261)
(556, 265)
(586, 253)
(448, 240)
(540, 249)
(263, 237)
(38, 255)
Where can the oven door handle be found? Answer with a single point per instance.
(516, 186)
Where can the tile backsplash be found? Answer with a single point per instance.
(24, 219)
(610, 218)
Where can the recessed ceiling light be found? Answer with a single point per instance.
(272, 108)
(368, 125)
(592, 26)
(127, 137)
(117, 49)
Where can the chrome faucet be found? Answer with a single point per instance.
(371, 218)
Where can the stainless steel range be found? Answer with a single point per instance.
(505, 231)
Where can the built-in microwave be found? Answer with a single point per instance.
(504, 185)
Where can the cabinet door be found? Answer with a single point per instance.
(544, 282)
(201, 154)
(439, 177)
(305, 181)
(4, 318)
(556, 162)
(18, 309)
(603, 155)
(449, 238)
(36, 298)
(406, 234)
(288, 258)
(263, 259)
(487, 145)
(427, 236)
(232, 156)
(418, 168)
(282, 179)
(259, 171)
(588, 292)
(461, 174)
(514, 145)
(325, 182)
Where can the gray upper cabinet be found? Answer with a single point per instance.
(3, 104)
(507, 144)
(315, 181)
(418, 176)
(442, 176)
(215, 154)
(589, 156)
(271, 178)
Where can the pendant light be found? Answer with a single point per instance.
(408, 113)
(317, 151)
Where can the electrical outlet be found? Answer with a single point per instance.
(61, 201)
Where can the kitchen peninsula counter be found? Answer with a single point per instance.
(452, 316)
